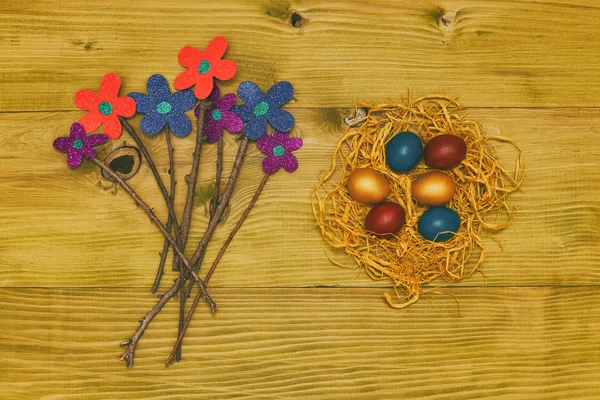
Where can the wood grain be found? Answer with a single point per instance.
(527, 69)
(67, 228)
(527, 343)
(504, 53)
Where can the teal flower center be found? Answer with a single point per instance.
(261, 108)
(278, 151)
(217, 115)
(105, 108)
(163, 107)
(77, 144)
(204, 67)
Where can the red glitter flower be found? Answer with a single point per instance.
(203, 67)
(105, 107)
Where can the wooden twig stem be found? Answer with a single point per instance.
(142, 204)
(196, 259)
(159, 181)
(235, 229)
(187, 213)
(163, 255)
(192, 178)
(184, 229)
(129, 353)
(217, 190)
(178, 283)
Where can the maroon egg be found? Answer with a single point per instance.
(385, 219)
(445, 151)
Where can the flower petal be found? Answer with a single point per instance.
(179, 123)
(226, 102)
(265, 144)
(224, 69)
(204, 85)
(112, 126)
(183, 100)
(63, 143)
(281, 120)
(110, 86)
(232, 122)
(216, 48)
(212, 130)
(271, 164)
(91, 121)
(289, 162)
(143, 102)
(152, 123)
(185, 79)
(96, 140)
(215, 95)
(158, 86)
(189, 57)
(89, 153)
(87, 100)
(255, 128)
(279, 94)
(74, 158)
(279, 138)
(250, 93)
(124, 106)
(243, 111)
(293, 144)
(77, 132)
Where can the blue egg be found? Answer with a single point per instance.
(403, 152)
(437, 220)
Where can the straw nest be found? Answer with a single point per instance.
(407, 259)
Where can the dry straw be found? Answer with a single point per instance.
(410, 261)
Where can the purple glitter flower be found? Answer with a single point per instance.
(78, 145)
(220, 117)
(278, 147)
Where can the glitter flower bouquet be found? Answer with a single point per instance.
(165, 111)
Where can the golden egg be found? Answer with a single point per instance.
(368, 186)
(434, 188)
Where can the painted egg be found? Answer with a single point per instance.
(385, 219)
(433, 188)
(445, 151)
(403, 152)
(437, 220)
(368, 186)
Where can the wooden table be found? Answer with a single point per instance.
(77, 258)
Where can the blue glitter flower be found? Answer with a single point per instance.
(161, 107)
(261, 108)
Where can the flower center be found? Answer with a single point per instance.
(278, 151)
(105, 108)
(163, 107)
(77, 144)
(261, 108)
(217, 115)
(204, 67)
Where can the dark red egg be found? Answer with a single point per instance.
(385, 219)
(445, 151)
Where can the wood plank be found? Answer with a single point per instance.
(505, 53)
(526, 343)
(67, 228)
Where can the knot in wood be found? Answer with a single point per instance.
(296, 20)
(446, 21)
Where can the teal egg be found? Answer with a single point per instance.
(437, 220)
(403, 152)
